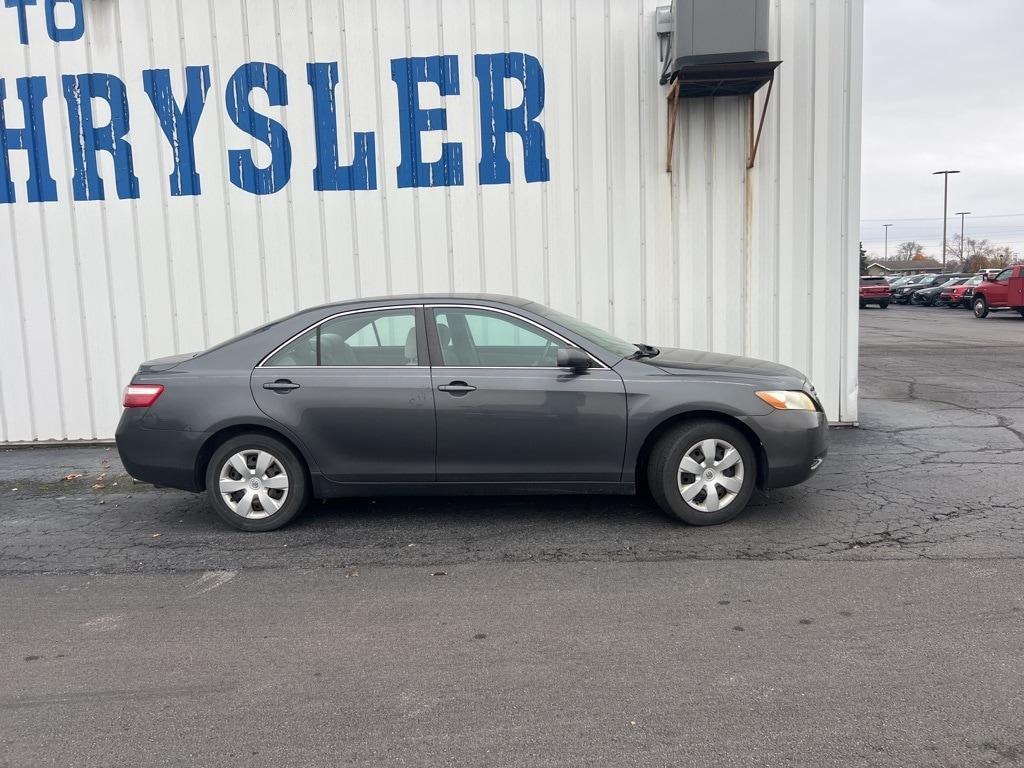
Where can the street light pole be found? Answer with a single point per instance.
(887, 240)
(961, 214)
(945, 210)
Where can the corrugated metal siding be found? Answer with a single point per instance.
(713, 257)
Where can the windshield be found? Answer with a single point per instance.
(591, 332)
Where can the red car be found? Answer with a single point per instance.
(1004, 291)
(959, 295)
(874, 290)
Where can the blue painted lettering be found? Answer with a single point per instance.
(179, 126)
(65, 34)
(496, 120)
(329, 176)
(87, 139)
(32, 138)
(412, 121)
(244, 172)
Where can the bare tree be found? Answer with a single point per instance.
(1003, 256)
(909, 250)
(977, 254)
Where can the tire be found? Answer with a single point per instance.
(883, 305)
(251, 449)
(863, 305)
(665, 474)
(980, 307)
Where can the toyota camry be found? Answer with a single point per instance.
(453, 394)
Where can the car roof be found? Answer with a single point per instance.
(427, 298)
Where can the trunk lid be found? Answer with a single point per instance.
(161, 364)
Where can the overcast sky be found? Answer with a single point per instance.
(943, 89)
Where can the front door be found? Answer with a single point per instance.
(507, 413)
(356, 389)
(999, 291)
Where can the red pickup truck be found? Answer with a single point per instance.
(1004, 291)
(874, 290)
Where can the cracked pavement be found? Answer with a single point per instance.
(871, 617)
(933, 471)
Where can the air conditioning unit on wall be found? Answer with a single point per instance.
(719, 32)
(718, 48)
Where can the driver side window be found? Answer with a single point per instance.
(476, 338)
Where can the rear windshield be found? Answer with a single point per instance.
(873, 281)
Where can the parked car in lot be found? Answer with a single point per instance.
(874, 290)
(1004, 290)
(927, 297)
(901, 294)
(960, 294)
(463, 394)
(905, 280)
(905, 293)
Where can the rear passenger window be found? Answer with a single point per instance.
(382, 338)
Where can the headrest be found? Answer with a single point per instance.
(411, 355)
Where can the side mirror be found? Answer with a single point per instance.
(576, 359)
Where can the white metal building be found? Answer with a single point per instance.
(317, 150)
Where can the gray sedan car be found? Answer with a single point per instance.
(463, 394)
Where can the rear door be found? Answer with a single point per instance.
(356, 389)
(507, 413)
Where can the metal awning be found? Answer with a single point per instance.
(712, 80)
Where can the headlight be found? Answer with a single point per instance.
(784, 400)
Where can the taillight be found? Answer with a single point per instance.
(141, 395)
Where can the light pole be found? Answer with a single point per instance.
(945, 210)
(961, 214)
(887, 240)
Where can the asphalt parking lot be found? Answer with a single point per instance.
(872, 616)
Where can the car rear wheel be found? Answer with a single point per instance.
(256, 483)
(883, 305)
(980, 307)
(703, 472)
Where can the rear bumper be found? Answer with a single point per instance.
(795, 444)
(163, 457)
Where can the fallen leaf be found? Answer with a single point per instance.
(72, 476)
(98, 486)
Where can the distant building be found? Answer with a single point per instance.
(901, 267)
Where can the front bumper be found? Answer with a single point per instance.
(795, 444)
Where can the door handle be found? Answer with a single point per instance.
(457, 388)
(281, 385)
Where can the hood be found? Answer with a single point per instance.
(164, 363)
(680, 360)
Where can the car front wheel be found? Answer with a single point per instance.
(256, 483)
(883, 305)
(703, 472)
(980, 307)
